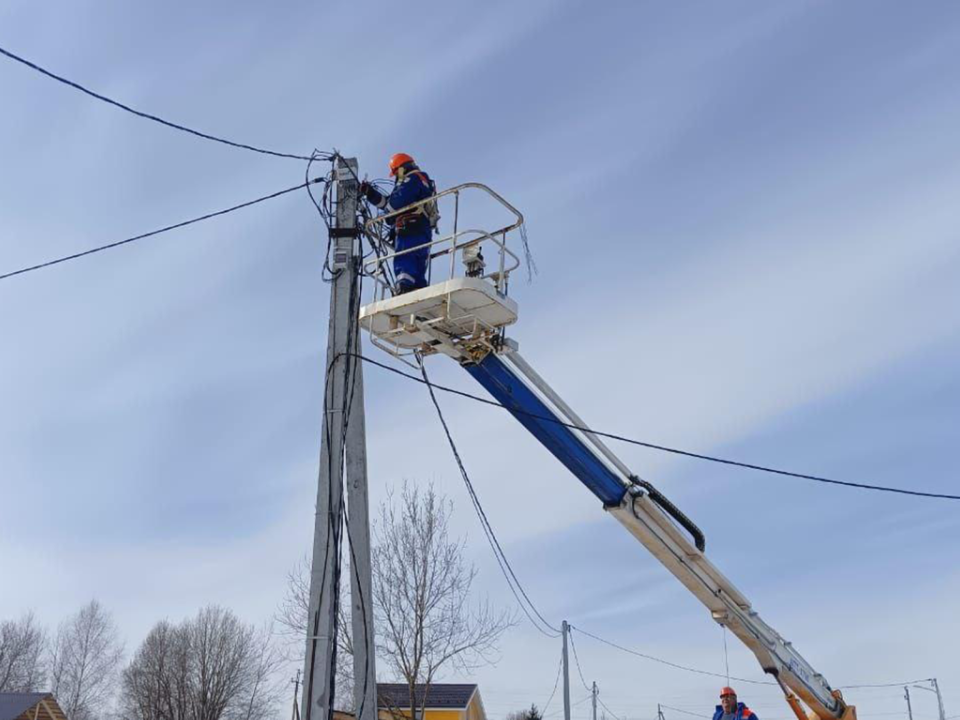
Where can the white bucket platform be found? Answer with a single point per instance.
(447, 317)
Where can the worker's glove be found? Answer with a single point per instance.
(370, 193)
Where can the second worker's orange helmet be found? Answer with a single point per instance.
(397, 161)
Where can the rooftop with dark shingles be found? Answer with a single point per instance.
(13, 705)
(441, 695)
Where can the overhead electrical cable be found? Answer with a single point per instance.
(666, 662)
(152, 233)
(726, 657)
(664, 448)
(578, 703)
(685, 712)
(556, 683)
(576, 657)
(679, 667)
(604, 705)
(529, 609)
(883, 685)
(148, 116)
(583, 680)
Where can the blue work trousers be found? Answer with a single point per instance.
(411, 269)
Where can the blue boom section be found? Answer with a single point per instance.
(511, 392)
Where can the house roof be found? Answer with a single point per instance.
(440, 695)
(13, 705)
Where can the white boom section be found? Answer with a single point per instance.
(641, 515)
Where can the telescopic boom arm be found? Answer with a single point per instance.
(665, 531)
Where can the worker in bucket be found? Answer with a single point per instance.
(730, 709)
(410, 230)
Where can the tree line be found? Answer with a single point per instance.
(209, 667)
(214, 666)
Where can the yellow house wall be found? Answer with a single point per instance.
(473, 709)
(443, 715)
(429, 715)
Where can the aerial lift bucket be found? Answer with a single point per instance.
(462, 316)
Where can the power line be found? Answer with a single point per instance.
(882, 685)
(578, 703)
(583, 680)
(667, 662)
(726, 658)
(148, 116)
(604, 705)
(685, 712)
(168, 228)
(664, 448)
(505, 567)
(553, 692)
(579, 669)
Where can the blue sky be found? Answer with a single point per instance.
(746, 226)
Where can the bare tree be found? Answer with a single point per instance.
(292, 617)
(421, 588)
(293, 613)
(211, 667)
(21, 654)
(155, 684)
(263, 687)
(85, 658)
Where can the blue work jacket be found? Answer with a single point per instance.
(415, 186)
(743, 713)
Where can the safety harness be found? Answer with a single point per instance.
(429, 210)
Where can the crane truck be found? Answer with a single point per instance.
(465, 317)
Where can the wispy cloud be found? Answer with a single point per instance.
(746, 225)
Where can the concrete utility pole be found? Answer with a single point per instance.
(936, 689)
(566, 673)
(906, 692)
(343, 390)
(594, 694)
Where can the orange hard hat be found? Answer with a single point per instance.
(397, 161)
(728, 691)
